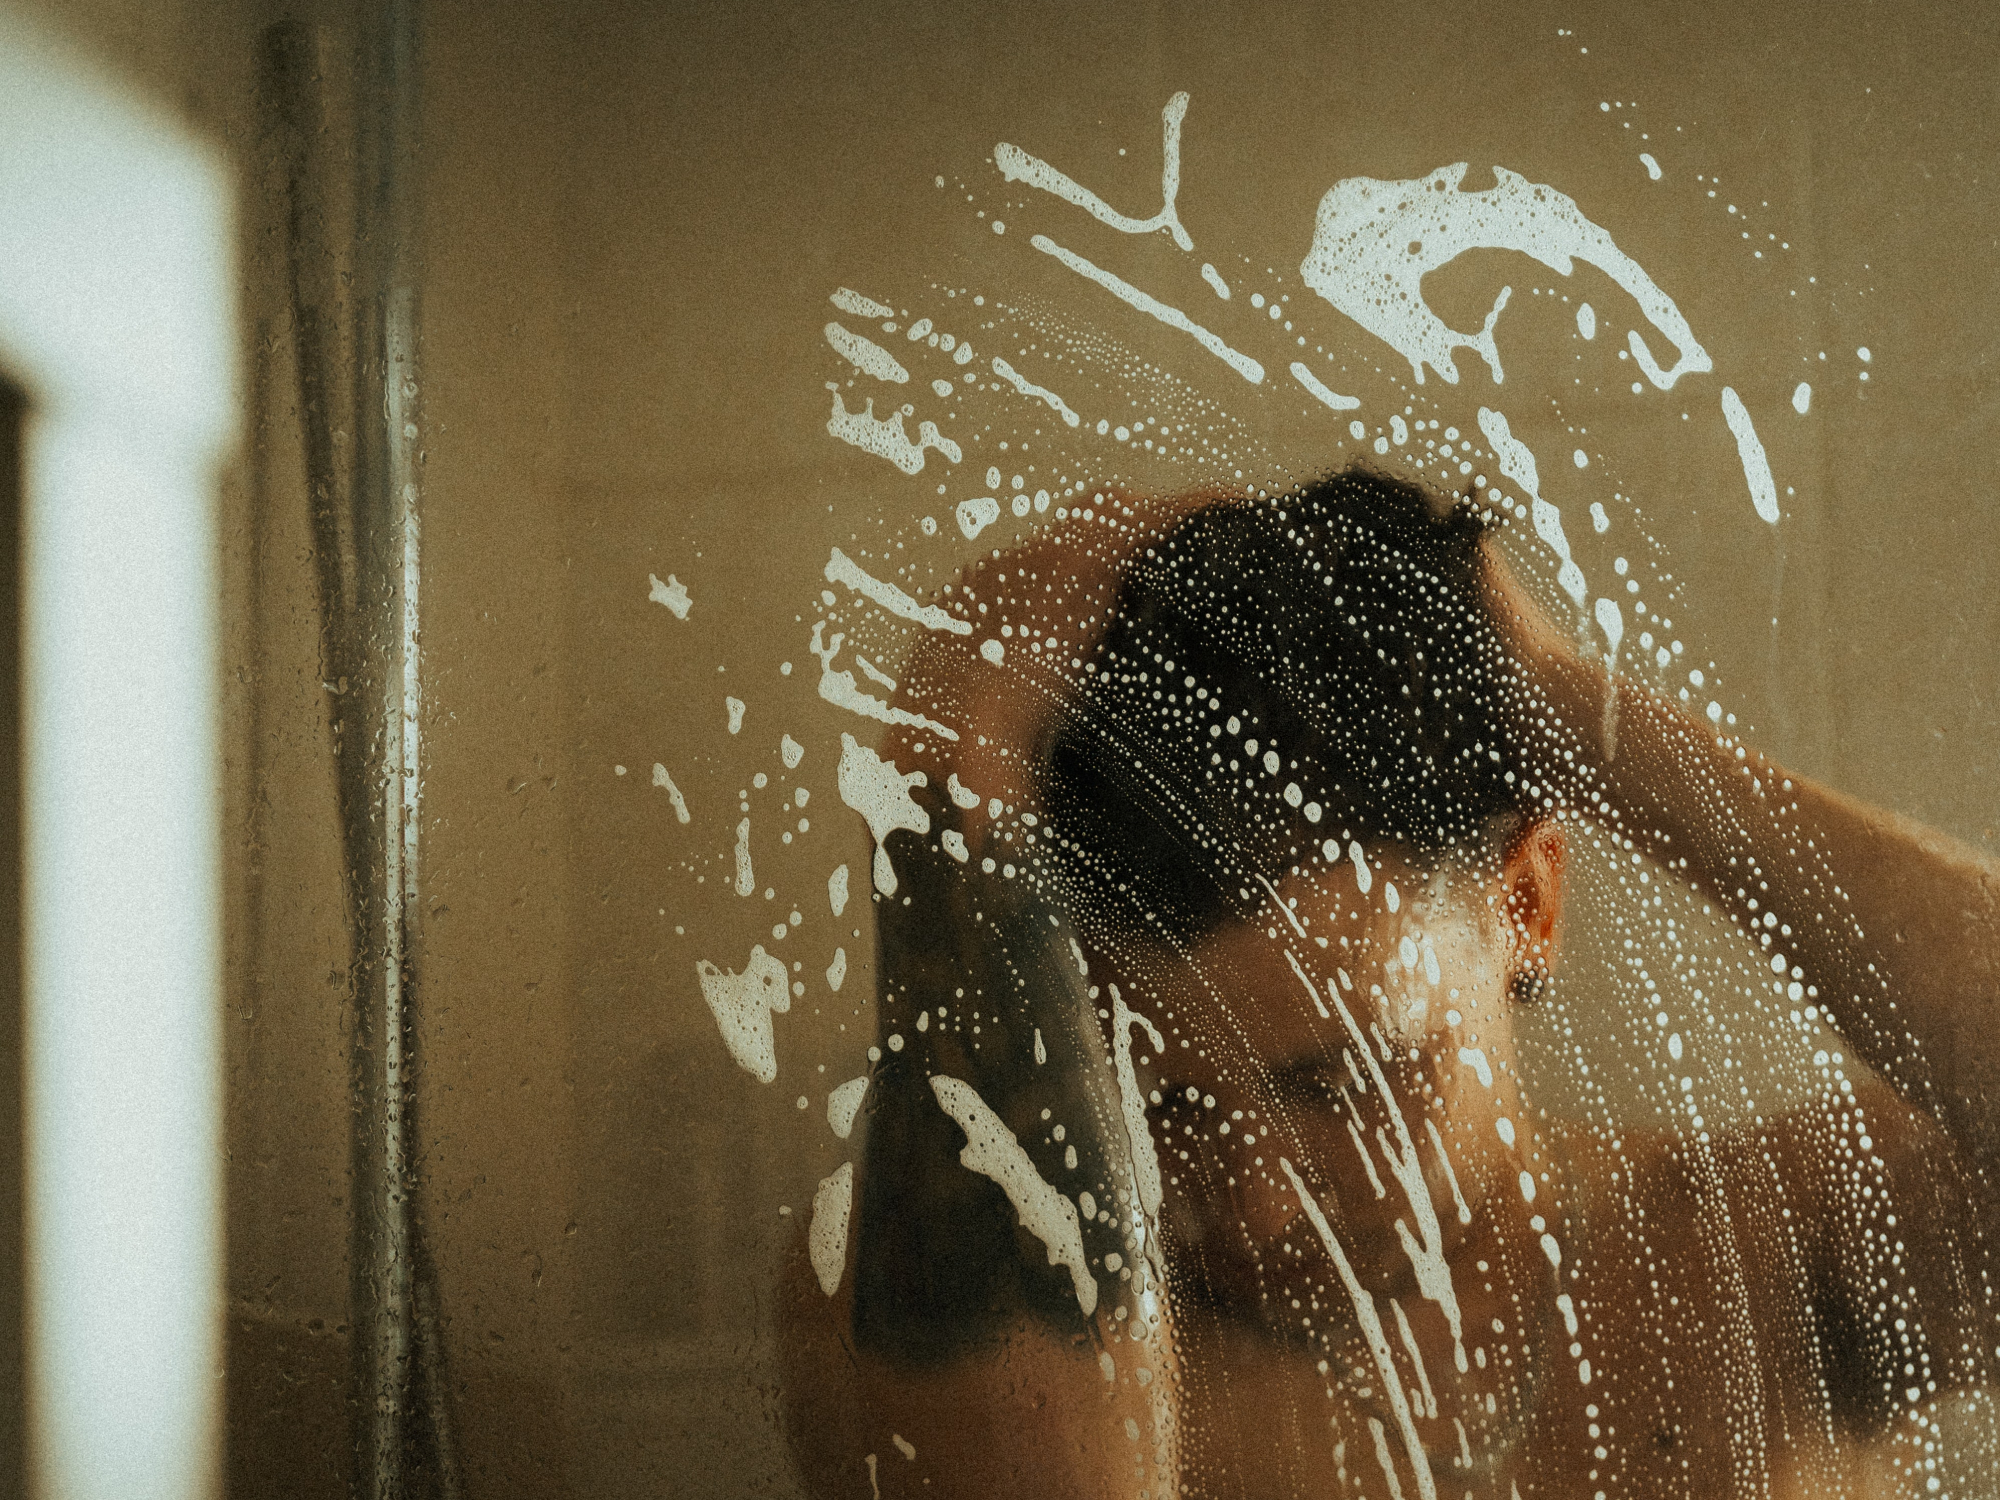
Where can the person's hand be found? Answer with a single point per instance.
(1553, 695)
(1065, 579)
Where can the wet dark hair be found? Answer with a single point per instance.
(1342, 629)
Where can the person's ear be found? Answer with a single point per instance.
(1531, 890)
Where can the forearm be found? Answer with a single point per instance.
(1895, 926)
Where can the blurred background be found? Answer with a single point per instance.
(625, 221)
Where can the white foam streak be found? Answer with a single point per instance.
(992, 1150)
(841, 690)
(1279, 902)
(1313, 383)
(1450, 1176)
(1517, 462)
(1132, 1100)
(1426, 1255)
(1378, 1342)
(662, 779)
(826, 1241)
(865, 355)
(1173, 317)
(841, 569)
(1034, 392)
(1017, 166)
(856, 305)
(1416, 1358)
(1756, 467)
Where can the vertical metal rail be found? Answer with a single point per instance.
(367, 573)
(379, 748)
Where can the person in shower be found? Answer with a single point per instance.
(1205, 1153)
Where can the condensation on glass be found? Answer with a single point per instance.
(1129, 741)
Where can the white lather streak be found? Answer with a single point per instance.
(1750, 450)
(840, 568)
(1321, 390)
(992, 1150)
(841, 690)
(1132, 1102)
(1034, 392)
(1426, 1258)
(1017, 166)
(1378, 1341)
(1416, 1358)
(865, 355)
(1173, 317)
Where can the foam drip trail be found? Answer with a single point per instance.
(1377, 1340)
(1017, 166)
(1312, 382)
(1517, 462)
(865, 355)
(1132, 1099)
(1750, 450)
(662, 779)
(746, 878)
(993, 1151)
(1426, 1256)
(1611, 620)
(1173, 317)
(840, 568)
(842, 691)
(1034, 392)
(1409, 1337)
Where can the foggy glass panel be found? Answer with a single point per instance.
(1156, 754)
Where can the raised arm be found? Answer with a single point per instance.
(1895, 924)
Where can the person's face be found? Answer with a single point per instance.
(1404, 1044)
